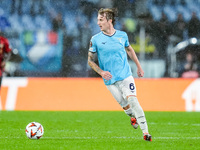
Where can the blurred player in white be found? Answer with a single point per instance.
(112, 47)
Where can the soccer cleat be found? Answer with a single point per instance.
(147, 137)
(134, 123)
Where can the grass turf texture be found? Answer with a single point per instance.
(94, 130)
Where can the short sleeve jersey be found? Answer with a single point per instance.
(112, 55)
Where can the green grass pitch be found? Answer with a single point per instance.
(99, 130)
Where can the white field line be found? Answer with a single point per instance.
(176, 124)
(79, 138)
(153, 123)
(172, 124)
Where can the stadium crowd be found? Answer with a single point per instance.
(164, 24)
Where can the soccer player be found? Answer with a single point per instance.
(112, 47)
(5, 53)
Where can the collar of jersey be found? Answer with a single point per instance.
(110, 35)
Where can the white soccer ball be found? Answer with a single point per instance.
(34, 130)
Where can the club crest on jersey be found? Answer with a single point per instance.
(120, 40)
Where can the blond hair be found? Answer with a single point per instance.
(111, 13)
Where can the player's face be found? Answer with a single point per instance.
(102, 22)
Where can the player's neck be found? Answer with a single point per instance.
(110, 32)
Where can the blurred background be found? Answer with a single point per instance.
(50, 38)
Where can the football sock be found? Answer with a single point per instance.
(139, 113)
(129, 112)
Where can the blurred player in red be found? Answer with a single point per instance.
(5, 52)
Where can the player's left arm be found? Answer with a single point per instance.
(131, 53)
(6, 57)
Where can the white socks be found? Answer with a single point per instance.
(138, 113)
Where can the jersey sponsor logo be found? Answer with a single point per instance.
(103, 42)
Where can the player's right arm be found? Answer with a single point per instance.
(91, 61)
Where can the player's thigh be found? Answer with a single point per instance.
(117, 94)
(128, 87)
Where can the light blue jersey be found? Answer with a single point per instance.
(112, 55)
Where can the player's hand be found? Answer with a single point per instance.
(106, 75)
(140, 72)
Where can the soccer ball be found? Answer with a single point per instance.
(34, 130)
